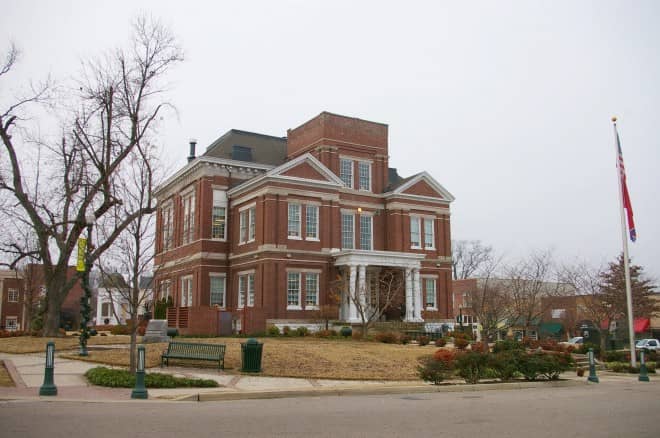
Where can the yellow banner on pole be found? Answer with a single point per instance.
(82, 246)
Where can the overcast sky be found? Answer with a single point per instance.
(506, 104)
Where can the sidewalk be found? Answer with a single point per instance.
(27, 371)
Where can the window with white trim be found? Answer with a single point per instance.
(11, 323)
(366, 226)
(311, 290)
(106, 311)
(431, 294)
(415, 232)
(247, 225)
(312, 222)
(188, 217)
(12, 295)
(243, 226)
(219, 215)
(217, 292)
(252, 232)
(346, 171)
(429, 234)
(246, 290)
(558, 313)
(187, 291)
(165, 289)
(293, 290)
(364, 175)
(347, 230)
(166, 215)
(294, 221)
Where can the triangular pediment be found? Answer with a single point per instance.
(423, 185)
(305, 167)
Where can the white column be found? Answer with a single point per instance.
(362, 289)
(418, 297)
(352, 311)
(409, 296)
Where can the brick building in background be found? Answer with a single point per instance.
(11, 300)
(256, 230)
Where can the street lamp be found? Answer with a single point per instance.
(85, 309)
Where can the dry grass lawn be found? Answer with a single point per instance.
(298, 357)
(32, 344)
(5, 379)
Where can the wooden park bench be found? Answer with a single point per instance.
(194, 351)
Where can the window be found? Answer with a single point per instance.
(346, 171)
(312, 222)
(217, 292)
(364, 175)
(166, 215)
(219, 215)
(347, 225)
(11, 323)
(247, 225)
(365, 232)
(429, 234)
(414, 232)
(186, 291)
(558, 313)
(105, 310)
(165, 289)
(246, 290)
(311, 290)
(293, 290)
(431, 301)
(188, 218)
(241, 153)
(12, 295)
(294, 221)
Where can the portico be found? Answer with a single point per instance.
(361, 269)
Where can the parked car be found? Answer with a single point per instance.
(648, 345)
(575, 342)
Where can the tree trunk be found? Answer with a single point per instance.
(55, 295)
(133, 348)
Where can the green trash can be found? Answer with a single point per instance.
(251, 356)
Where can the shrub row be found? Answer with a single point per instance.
(624, 356)
(113, 378)
(624, 367)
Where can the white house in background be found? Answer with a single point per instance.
(112, 305)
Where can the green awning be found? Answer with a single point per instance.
(552, 328)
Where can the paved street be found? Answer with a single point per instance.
(624, 408)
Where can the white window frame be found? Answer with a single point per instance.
(289, 276)
(186, 291)
(294, 221)
(367, 187)
(431, 221)
(558, 313)
(425, 280)
(371, 231)
(352, 216)
(165, 285)
(314, 224)
(166, 216)
(14, 319)
(245, 289)
(314, 305)
(108, 308)
(418, 221)
(12, 295)
(346, 176)
(188, 201)
(219, 201)
(223, 277)
(247, 223)
(252, 223)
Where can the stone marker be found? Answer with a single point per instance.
(156, 331)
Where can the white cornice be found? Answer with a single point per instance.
(423, 176)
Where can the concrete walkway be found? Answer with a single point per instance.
(27, 371)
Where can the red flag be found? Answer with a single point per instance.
(624, 190)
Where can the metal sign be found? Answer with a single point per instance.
(82, 246)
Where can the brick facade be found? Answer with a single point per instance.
(276, 229)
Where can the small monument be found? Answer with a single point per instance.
(156, 331)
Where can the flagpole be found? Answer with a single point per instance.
(624, 240)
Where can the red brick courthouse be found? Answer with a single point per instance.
(254, 231)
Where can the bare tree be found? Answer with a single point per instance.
(118, 102)
(470, 258)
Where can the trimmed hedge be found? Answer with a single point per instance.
(624, 367)
(113, 378)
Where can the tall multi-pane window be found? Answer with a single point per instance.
(186, 291)
(217, 292)
(431, 299)
(294, 220)
(12, 295)
(415, 241)
(429, 234)
(364, 175)
(219, 215)
(246, 290)
(165, 289)
(166, 215)
(250, 290)
(311, 289)
(252, 232)
(293, 290)
(346, 171)
(347, 231)
(11, 323)
(365, 232)
(243, 226)
(188, 218)
(312, 221)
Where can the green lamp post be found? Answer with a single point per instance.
(592, 367)
(140, 390)
(85, 308)
(49, 388)
(643, 372)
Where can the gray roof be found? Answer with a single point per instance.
(145, 282)
(113, 280)
(249, 146)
